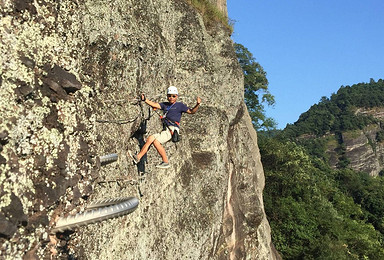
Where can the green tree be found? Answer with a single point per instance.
(316, 212)
(256, 92)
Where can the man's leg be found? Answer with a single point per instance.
(146, 146)
(160, 149)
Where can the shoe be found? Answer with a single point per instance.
(163, 165)
(134, 157)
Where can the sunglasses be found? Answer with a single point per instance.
(174, 96)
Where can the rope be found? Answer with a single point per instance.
(133, 101)
(119, 122)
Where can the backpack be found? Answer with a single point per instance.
(175, 136)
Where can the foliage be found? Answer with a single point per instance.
(365, 191)
(380, 136)
(255, 82)
(338, 113)
(316, 212)
(211, 14)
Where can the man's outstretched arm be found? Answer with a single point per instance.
(149, 102)
(196, 107)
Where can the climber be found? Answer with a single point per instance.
(172, 114)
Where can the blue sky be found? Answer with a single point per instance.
(309, 48)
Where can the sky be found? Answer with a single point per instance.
(310, 48)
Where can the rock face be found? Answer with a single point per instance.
(364, 149)
(71, 74)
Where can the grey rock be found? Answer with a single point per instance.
(7, 228)
(100, 56)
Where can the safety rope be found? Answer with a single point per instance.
(119, 122)
(133, 101)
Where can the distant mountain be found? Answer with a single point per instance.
(347, 129)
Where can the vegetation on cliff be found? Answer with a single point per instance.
(211, 13)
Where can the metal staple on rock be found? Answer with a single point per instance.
(104, 209)
(109, 158)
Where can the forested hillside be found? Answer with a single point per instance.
(338, 113)
(347, 129)
(318, 210)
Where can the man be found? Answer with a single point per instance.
(172, 114)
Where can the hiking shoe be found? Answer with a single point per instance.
(134, 157)
(163, 165)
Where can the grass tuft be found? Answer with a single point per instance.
(211, 14)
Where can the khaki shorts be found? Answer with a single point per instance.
(165, 136)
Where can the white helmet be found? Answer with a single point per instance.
(172, 90)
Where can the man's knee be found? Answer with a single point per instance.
(151, 139)
(156, 143)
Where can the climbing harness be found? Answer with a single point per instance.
(175, 134)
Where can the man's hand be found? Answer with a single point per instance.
(149, 102)
(194, 109)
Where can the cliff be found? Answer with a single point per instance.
(362, 149)
(71, 73)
